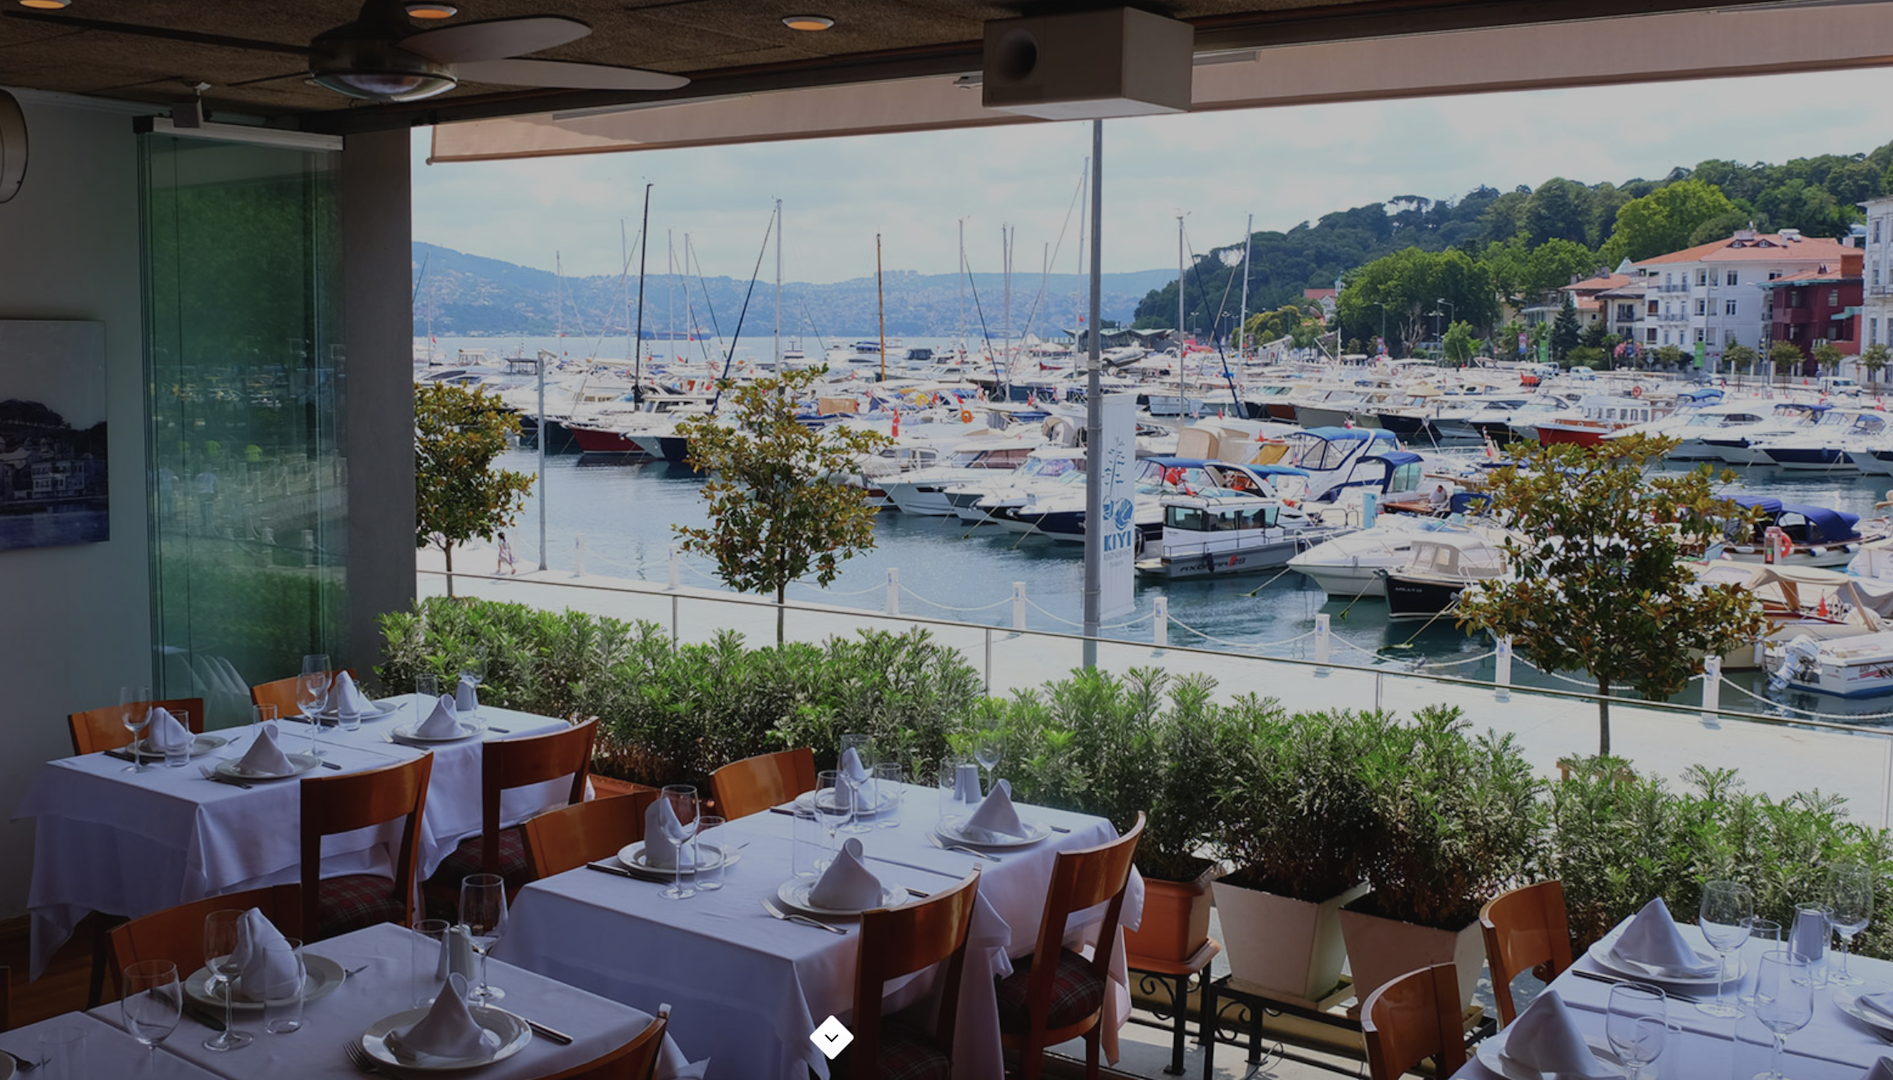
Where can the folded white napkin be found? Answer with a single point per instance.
(467, 695)
(346, 699)
(1653, 940)
(447, 1031)
(995, 818)
(1880, 1070)
(265, 758)
(1808, 938)
(1546, 1038)
(966, 784)
(855, 778)
(441, 723)
(166, 733)
(264, 973)
(456, 954)
(847, 884)
(664, 835)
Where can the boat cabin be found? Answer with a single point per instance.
(1805, 525)
(1209, 523)
(1457, 557)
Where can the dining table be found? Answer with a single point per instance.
(1833, 1046)
(131, 843)
(106, 1051)
(380, 984)
(755, 987)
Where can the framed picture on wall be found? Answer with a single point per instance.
(53, 475)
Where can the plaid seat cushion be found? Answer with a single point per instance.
(345, 904)
(1077, 992)
(907, 1054)
(442, 891)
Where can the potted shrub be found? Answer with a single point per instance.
(1453, 821)
(1291, 806)
(1183, 764)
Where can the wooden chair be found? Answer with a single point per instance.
(6, 999)
(177, 934)
(1525, 928)
(339, 804)
(897, 942)
(1056, 994)
(635, 1060)
(103, 729)
(504, 765)
(282, 693)
(567, 838)
(755, 784)
(1415, 1017)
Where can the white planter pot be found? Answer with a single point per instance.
(1292, 948)
(1381, 950)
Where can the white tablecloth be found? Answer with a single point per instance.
(130, 844)
(729, 967)
(1834, 1046)
(597, 1026)
(109, 1052)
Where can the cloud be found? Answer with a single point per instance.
(1283, 165)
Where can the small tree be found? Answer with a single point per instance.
(1829, 357)
(1668, 355)
(1598, 580)
(1565, 333)
(1874, 359)
(1460, 344)
(777, 510)
(1786, 357)
(1737, 356)
(1587, 356)
(458, 495)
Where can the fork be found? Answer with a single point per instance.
(802, 919)
(24, 1065)
(360, 1059)
(944, 846)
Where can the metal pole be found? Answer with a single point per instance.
(778, 284)
(1181, 394)
(880, 304)
(1248, 242)
(1094, 410)
(541, 365)
(644, 244)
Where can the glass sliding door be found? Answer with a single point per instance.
(244, 357)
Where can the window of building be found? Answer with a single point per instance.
(1702, 277)
(1666, 337)
(1876, 275)
(1668, 278)
(1773, 274)
(1698, 335)
(1732, 279)
(1652, 307)
(1876, 230)
(1649, 335)
(1702, 305)
(1833, 298)
(1873, 328)
(1728, 307)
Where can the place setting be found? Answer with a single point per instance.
(265, 760)
(970, 822)
(167, 737)
(844, 889)
(1651, 948)
(679, 843)
(444, 723)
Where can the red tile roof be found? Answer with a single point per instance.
(1763, 247)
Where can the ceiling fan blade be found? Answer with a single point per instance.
(494, 39)
(160, 32)
(565, 74)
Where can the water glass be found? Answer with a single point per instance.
(347, 717)
(683, 803)
(473, 671)
(312, 689)
(282, 1011)
(220, 948)
(62, 1053)
(1784, 1001)
(134, 711)
(810, 840)
(430, 936)
(711, 854)
(1636, 1024)
(889, 779)
(263, 714)
(952, 809)
(1767, 934)
(1727, 907)
(151, 1002)
(1852, 908)
(177, 757)
(427, 687)
(483, 913)
(834, 804)
(1808, 940)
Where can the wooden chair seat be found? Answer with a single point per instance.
(567, 838)
(104, 729)
(896, 942)
(908, 1053)
(340, 804)
(1526, 928)
(1077, 992)
(177, 933)
(282, 693)
(755, 784)
(1412, 1018)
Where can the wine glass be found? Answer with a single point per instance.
(1637, 1024)
(483, 913)
(152, 1002)
(683, 801)
(987, 750)
(312, 689)
(833, 804)
(220, 956)
(134, 711)
(473, 670)
(1784, 1001)
(1726, 909)
(1852, 908)
(1768, 932)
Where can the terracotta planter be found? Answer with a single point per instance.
(1176, 920)
(1380, 950)
(1291, 948)
(604, 787)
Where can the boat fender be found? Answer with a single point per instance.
(1636, 391)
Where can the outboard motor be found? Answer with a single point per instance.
(1800, 657)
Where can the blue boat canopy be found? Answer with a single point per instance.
(1825, 525)
(1703, 393)
(1396, 458)
(1766, 504)
(1271, 470)
(1335, 434)
(1184, 462)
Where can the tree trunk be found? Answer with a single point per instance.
(449, 549)
(780, 612)
(1603, 716)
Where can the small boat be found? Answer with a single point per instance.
(1438, 570)
(1349, 567)
(1221, 531)
(1797, 601)
(1596, 417)
(1804, 535)
(1851, 667)
(1744, 446)
(1824, 447)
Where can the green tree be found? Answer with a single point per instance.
(1565, 334)
(1460, 344)
(1874, 358)
(458, 495)
(1559, 210)
(1589, 356)
(1829, 357)
(1786, 357)
(1668, 355)
(1599, 577)
(1408, 284)
(1664, 220)
(1738, 357)
(776, 511)
(1556, 263)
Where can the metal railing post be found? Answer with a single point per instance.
(1711, 691)
(1502, 670)
(1018, 606)
(673, 620)
(1322, 637)
(578, 555)
(893, 590)
(1160, 623)
(676, 567)
(989, 661)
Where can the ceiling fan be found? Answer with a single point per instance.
(383, 56)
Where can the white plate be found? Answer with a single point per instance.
(1849, 1003)
(6, 1067)
(794, 893)
(410, 733)
(632, 856)
(201, 745)
(952, 833)
(806, 801)
(321, 976)
(1629, 969)
(298, 764)
(1492, 1056)
(513, 1032)
(382, 708)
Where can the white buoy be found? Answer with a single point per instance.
(1321, 643)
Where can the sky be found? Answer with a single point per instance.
(1284, 165)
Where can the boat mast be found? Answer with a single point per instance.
(1077, 295)
(1248, 234)
(670, 290)
(644, 243)
(880, 304)
(1005, 264)
(778, 284)
(962, 280)
(1181, 396)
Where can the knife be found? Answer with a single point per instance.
(1614, 980)
(204, 1016)
(556, 1036)
(606, 868)
(123, 755)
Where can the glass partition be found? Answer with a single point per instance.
(244, 364)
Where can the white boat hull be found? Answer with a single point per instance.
(1347, 582)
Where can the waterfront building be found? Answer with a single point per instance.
(1818, 306)
(1877, 288)
(1714, 294)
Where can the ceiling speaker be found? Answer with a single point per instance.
(1088, 65)
(12, 146)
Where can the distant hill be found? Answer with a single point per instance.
(473, 295)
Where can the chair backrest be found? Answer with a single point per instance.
(104, 729)
(177, 934)
(1080, 880)
(282, 693)
(900, 941)
(755, 784)
(6, 999)
(533, 759)
(339, 804)
(567, 838)
(1525, 928)
(1415, 1017)
(635, 1060)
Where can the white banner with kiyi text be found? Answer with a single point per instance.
(1117, 445)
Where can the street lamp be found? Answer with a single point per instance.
(1452, 313)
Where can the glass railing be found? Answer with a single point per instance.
(1774, 755)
